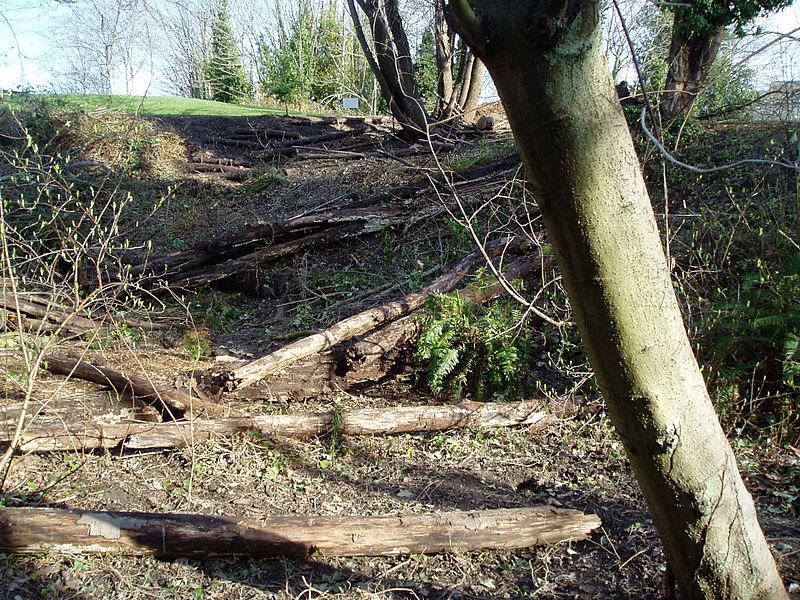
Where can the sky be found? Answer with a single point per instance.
(28, 57)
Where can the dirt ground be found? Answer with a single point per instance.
(575, 463)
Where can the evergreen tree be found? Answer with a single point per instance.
(224, 71)
(328, 43)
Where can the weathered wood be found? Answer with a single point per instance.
(354, 326)
(217, 160)
(313, 139)
(188, 263)
(375, 355)
(219, 168)
(51, 530)
(267, 132)
(372, 421)
(205, 275)
(230, 254)
(236, 142)
(174, 400)
(38, 307)
(313, 153)
(53, 316)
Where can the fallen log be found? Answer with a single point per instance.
(382, 353)
(281, 238)
(237, 143)
(50, 316)
(218, 168)
(184, 264)
(51, 530)
(45, 309)
(371, 421)
(350, 224)
(175, 401)
(216, 160)
(267, 132)
(313, 139)
(354, 326)
(314, 153)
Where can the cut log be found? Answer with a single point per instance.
(313, 153)
(314, 139)
(276, 236)
(354, 326)
(218, 168)
(189, 263)
(375, 355)
(371, 421)
(237, 143)
(51, 530)
(216, 160)
(43, 308)
(51, 316)
(266, 132)
(175, 401)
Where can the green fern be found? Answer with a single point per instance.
(468, 349)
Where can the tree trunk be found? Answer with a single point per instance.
(368, 421)
(443, 38)
(553, 79)
(391, 63)
(472, 94)
(690, 57)
(37, 530)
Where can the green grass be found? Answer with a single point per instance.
(145, 105)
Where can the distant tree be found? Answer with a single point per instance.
(227, 79)
(426, 70)
(104, 45)
(308, 62)
(389, 56)
(460, 74)
(187, 31)
(328, 40)
(698, 31)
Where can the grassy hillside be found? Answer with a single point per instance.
(146, 105)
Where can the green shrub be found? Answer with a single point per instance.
(754, 340)
(470, 349)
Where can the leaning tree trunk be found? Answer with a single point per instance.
(443, 38)
(553, 79)
(391, 63)
(471, 91)
(690, 56)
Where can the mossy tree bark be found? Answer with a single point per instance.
(548, 64)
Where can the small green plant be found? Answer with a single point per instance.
(197, 343)
(755, 356)
(266, 180)
(469, 349)
(215, 310)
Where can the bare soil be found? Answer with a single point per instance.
(577, 463)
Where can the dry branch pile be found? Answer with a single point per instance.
(364, 347)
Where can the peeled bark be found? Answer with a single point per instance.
(690, 57)
(553, 79)
(37, 530)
